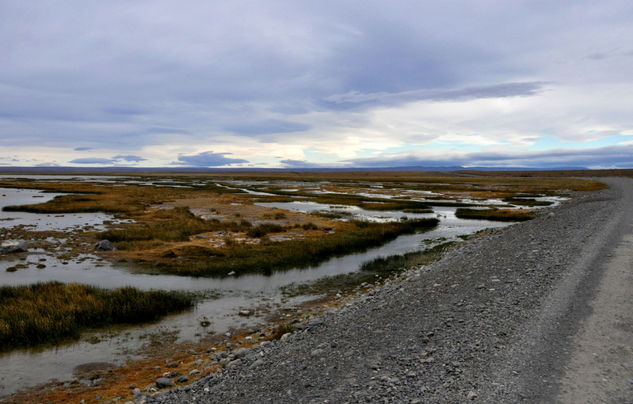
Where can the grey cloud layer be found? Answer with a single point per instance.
(612, 156)
(123, 75)
(492, 91)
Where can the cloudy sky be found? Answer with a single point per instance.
(320, 83)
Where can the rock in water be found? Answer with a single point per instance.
(12, 246)
(104, 245)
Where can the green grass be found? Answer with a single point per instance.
(501, 215)
(51, 312)
(275, 256)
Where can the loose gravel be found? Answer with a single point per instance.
(466, 328)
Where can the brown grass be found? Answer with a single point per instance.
(502, 215)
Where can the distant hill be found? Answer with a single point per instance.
(132, 170)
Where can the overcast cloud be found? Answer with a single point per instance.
(330, 83)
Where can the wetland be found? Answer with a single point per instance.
(253, 251)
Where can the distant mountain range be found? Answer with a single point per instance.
(55, 169)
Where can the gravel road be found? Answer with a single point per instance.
(517, 315)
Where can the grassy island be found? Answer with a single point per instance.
(52, 312)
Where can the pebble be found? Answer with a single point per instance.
(284, 337)
(234, 363)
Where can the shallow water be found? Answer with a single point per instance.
(42, 222)
(354, 212)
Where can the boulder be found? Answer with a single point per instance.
(163, 382)
(104, 245)
(12, 246)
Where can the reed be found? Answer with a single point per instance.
(52, 312)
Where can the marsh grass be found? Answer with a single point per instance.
(52, 312)
(501, 215)
(281, 329)
(332, 214)
(526, 201)
(263, 229)
(176, 224)
(268, 257)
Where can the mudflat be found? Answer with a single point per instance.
(514, 315)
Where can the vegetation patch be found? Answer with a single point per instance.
(265, 228)
(267, 257)
(176, 224)
(526, 201)
(51, 312)
(501, 215)
(333, 214)
(417, 210)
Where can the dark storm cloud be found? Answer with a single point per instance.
(208, 159)
(611, 156)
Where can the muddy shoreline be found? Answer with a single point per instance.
(473, 326)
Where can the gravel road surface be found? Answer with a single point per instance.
(535, 312)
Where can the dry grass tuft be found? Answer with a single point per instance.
(501, 215)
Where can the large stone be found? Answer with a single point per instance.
(104, 245)
(163, 382)
(12, 246)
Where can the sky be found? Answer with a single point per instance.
(298, 84)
